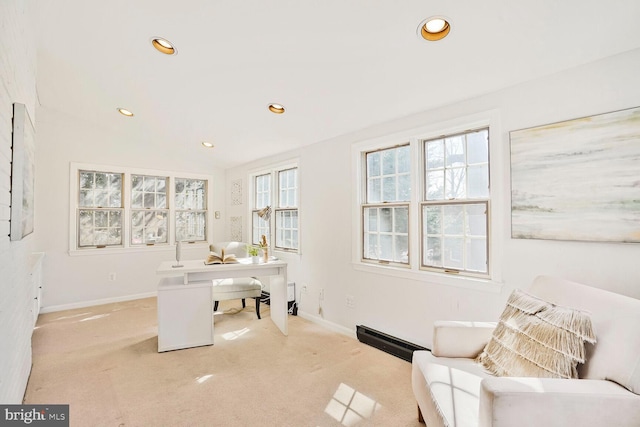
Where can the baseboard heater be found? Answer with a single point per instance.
(387, 343)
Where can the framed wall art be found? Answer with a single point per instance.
(22, 173)
(578, 179)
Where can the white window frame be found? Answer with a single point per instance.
(75, 168)
(416, 136)
(274, 171)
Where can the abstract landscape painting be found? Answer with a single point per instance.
(578, 179)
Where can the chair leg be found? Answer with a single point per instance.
(258, 307)
(420, 417)
(244, 304)
(215, 305)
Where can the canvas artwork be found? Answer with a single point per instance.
(236, 192)
(578, 179)
(235, 225)
(22, 173)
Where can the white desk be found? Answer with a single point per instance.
(185, 304)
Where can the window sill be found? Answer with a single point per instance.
(473, 283)
(136, 249)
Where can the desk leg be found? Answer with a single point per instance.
(278, 294)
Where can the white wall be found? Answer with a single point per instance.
(73, 281)
(17, 84)
(407, 308)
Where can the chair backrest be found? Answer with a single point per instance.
(616, 321)
(239, 249)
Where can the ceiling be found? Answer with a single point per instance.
(338, 66)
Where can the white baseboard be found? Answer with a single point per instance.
(329, 325)
(82, 304)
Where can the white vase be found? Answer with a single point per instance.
(255, 259)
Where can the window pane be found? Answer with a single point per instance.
(461, 241)
(404, 188)
(286, 228)
(386, 234)
(435, 185)
(433, 219)
(404, 159)
(453, 219)
(477, 220)
(454, 151)
(386, 247)
(478, 181)
(401, 249)
(373, 190)
(190, 193)
(389, 162)
(456, 183)
(262, 191)
(99, 227)
(86, 180)
(373, 164)
(260, 227)
(389, 189)
(478, 147)
(435, 154)
(401, 220)
(432, 255)
(453, 254)
(190, 226)
(395, 184)
(477, 255)
(149, 227)
(386, 220)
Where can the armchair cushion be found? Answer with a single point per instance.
(505, 402)
(237, 288)
(460, 339)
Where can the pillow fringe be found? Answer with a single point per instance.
(536, 338)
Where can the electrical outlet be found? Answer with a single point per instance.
(321, 295)
(351, 301)
(112, 277)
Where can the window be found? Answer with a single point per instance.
(262, 199)
(191, 209)
(425, 204)
(281, 199)
(117, 207)
(386, 209)
(455, 205)
(100, 209)
(287, 211)
(149, 211)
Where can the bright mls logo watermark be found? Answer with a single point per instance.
(34, 415)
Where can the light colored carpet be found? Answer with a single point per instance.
(103, 361)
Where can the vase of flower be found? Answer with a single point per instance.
(253, 251)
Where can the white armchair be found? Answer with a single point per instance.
(237, 288)
(453, 390)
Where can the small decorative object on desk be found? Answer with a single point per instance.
(253, 251)
(215, 258)
(178, 254)
(265, 248)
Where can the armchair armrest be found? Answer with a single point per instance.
(550, 402)
(460, 339)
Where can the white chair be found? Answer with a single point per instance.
(236, 288)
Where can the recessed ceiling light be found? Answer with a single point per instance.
(125, 112)
(434, 28)
(164, 46)
(276, 108)
(207, 144)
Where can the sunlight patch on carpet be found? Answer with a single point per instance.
(97, 316)
(349, 407)
(230, 336)
(203, 378)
